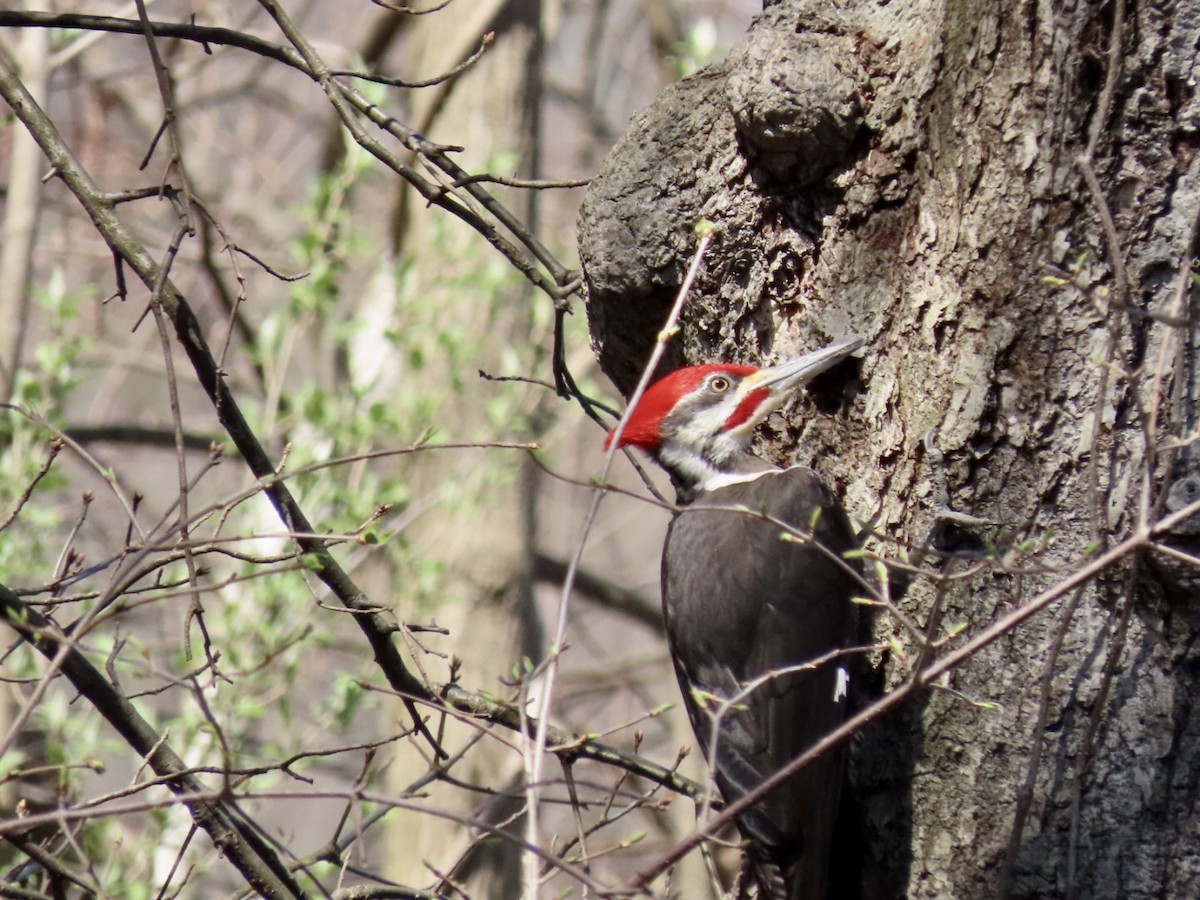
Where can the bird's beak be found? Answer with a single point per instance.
(788, 376)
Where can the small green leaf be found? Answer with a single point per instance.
(954, 629)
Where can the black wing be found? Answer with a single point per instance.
(741, 603)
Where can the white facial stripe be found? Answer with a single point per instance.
(691, 466)
(704, 475)
(699, 427)
(708, 422)
(697, 446)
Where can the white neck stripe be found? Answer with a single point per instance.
(726, 479)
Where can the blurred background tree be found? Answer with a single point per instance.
(354, 314)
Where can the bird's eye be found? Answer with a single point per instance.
(719, 384)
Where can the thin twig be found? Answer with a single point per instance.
(55, 447)
(237, 839)
(484, 43)
(550, 666)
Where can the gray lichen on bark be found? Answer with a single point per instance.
(727, 145)
(796, 97)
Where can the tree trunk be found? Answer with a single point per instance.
(1002, 198)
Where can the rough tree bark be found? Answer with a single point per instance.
(936, 177)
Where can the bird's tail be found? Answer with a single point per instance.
(779, 883)
(805, 878)
(773, 882)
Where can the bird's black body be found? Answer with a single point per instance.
(729, 625)
(756, 623)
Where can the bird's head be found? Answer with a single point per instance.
(698, 422)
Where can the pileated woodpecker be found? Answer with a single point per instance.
(755, 620)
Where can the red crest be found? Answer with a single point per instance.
(644, 428)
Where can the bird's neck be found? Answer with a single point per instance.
(693, 474)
